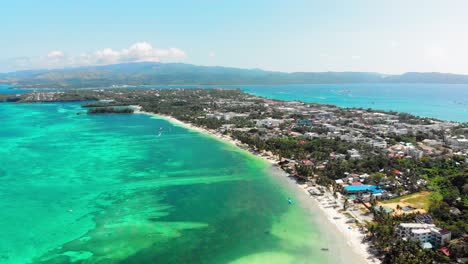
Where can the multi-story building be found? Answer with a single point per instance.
(424, 233)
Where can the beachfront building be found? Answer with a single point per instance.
(424, 233)
(357, 188)
(365, 193)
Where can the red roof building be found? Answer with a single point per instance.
(445, 251)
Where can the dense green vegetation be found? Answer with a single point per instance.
(110, 110)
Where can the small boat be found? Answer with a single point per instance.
(324, 249)
(159, 134)
(290, 201)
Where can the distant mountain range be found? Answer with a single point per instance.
(150, 73)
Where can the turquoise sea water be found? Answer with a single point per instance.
(106, 189)
(442, 101)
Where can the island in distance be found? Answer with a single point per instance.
(155, 73)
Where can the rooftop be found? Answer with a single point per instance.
(421, 231)
(364, 187)
(416, 225)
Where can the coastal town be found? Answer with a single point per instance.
(397, 182)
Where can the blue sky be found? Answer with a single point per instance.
(360, 35)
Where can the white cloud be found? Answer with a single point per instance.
(138, 52)
(56, 55)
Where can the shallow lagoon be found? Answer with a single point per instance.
(108, 189)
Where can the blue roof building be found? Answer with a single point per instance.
(363, 188)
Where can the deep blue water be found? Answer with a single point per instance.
(442, 101)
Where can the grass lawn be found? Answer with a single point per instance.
(420, 200)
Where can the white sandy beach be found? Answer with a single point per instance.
(348, 238)
(348, 243)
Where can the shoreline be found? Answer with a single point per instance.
(209, 132)
(345, 242)
(353, 237)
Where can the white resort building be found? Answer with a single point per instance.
(428, 234)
